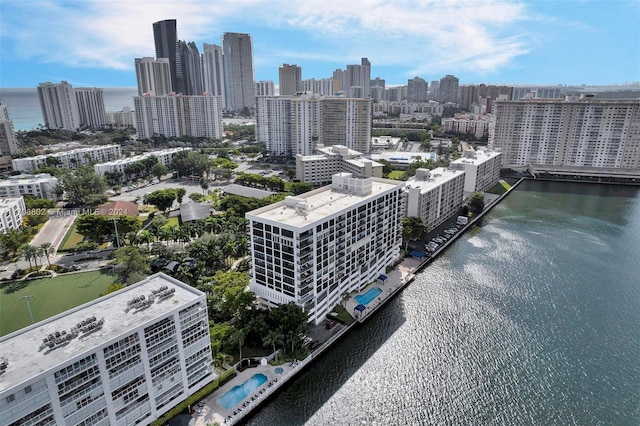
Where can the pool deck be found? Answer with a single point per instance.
(212, 411)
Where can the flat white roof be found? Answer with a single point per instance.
(481, 157)
(135, 158)
(21, 349)
(321, 203)
(14, 180)
(73, 151)
(437, 177)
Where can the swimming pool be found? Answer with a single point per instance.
(366, 298)
(240, 392)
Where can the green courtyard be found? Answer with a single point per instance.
(50, 297)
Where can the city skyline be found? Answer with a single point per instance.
(94, 43)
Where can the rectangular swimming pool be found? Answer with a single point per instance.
(366, 298)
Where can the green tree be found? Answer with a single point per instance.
(13, 239)
(188, 163)
(273, 338)
(291, 320)
(30, 253)
(412, 229)
(298, 188)
(47, 250)
(159, 170)
(180, 193)
(96, 227)
(204, 185)
(476, 203)
(196, 198)
(238, 336)
(130, 265)
(84, 186)
(163, 198)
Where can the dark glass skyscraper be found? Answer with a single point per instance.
(165, 37)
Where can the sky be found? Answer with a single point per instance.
(544, 42)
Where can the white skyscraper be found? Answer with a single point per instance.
(313, 248)
(238, 72)
(91, 108)
(175, 116)
(59, 106)
(213, 71)
(265, 88)
(586, 132)
(273, 123)
(358, 76)
(153, 76)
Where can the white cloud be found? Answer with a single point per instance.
(423, 36)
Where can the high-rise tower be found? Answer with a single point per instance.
(191, 66)
(153, 76)
(448, 91)
(213, 71)
(238, 72)
(290, 79)
(165, 36)
(59, 106)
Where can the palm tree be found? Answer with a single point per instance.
(239, 336)
(145, 237)
(30, 253)
(219, 360)
(273, 337)
(47, 250)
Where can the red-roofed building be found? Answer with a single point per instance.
(117, 208)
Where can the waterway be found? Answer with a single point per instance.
(531, 318)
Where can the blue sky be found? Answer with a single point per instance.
(94, 42)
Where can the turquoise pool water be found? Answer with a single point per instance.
(240, 392)
(366, 298)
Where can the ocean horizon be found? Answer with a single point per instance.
(24, 106)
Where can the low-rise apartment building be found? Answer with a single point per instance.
(69, 159)
(12, 210)
(318, 169)
(482, 169)
(41, 185)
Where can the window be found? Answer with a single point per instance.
(11, 398)
(27, 389)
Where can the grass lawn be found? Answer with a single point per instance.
(500, 188)
(172, 222)
(51, 296)
(396, 174)
(343, 315)
(71, 239)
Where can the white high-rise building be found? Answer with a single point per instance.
(481, 169)
(40, 186)
(434, 195)
(153, 76)
(8, 143)
(265, 88)
(59, 106)
(273, 123)
(358, 76)
(124, 118)
(12, 210)
(322, 86)
(417, 90)
(213, 71)
(313, 248)
(125, 358)
(69, 159)
(91, 110)
(238, 72)
(448, 90)
(290, 79)
(175, 116)
(585, 132)
(319, 169)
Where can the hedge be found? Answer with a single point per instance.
(193, 399)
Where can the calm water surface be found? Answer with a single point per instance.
(531, 319)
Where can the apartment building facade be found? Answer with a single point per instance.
(319, 169)
(69, 159)
(164, 157)
(12, 210)
(434, 195)
(313, 248)
(41, 185)
(125, 358)
(482, 169)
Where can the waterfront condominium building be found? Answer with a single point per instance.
(434, 195)
(176, 116)
(59, 106)
(319, 169)
(481, 169)
(165, 37)
(12, 210)
(91, 110)
(265, 88)
(164, 157)
(290, 79)
(213, 71)
(123, 359)
(448, 90)
(123, 118)
(238, 72)
(313, 248)
(586, 133)
(41, 186)
(8, 144)
(538, 92)
(69, 159)
(153, 76)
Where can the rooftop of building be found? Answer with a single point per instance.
(310, 207)
(476, 157)
(245, 191)
(73, 151)
(426, 180)
(26, 358)
(8, 202)
(24, 179)
(139, 157)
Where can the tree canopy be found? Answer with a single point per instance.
(130, 265)
(84, 187)
(476, 203)
(162, 198)
(188, 163)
